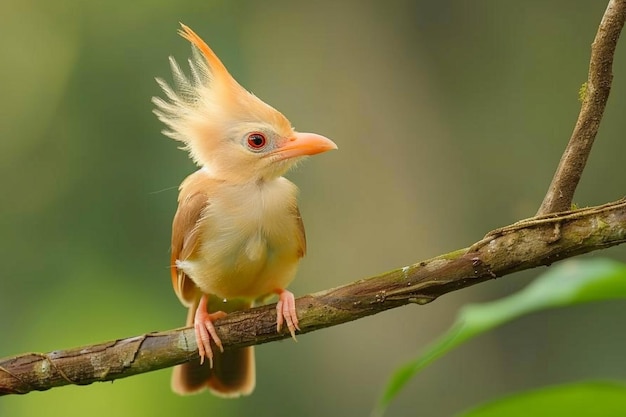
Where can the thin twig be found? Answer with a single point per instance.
(518, 247)
(595, 95)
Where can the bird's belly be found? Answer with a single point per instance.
(250, 241)
(249, 267)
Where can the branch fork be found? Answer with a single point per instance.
(555, 233)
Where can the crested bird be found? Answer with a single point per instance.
(237, 235)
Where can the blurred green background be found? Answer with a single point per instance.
(450, 118)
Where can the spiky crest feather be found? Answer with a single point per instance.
(202, 108)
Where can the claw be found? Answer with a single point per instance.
(205, 331)
(286, 312)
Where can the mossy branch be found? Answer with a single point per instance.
(527, 244)
(523, 245)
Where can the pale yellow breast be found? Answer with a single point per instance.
(250, 241)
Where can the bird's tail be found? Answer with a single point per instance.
(233, 372)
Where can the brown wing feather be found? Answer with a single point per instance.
(302, 235)
(192, 201)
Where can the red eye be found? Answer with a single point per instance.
(256, 140)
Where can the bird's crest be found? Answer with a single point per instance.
(204, 107)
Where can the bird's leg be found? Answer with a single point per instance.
(286, 312)
(203, 325)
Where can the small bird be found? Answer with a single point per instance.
(237, 236)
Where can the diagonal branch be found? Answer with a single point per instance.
(542, 240)
(524, 245)
(595, 95)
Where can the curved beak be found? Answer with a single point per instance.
(304, 144)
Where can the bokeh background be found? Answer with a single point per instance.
(450, 117)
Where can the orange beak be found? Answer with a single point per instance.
(303, 144)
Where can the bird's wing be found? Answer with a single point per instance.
(301, 235)
(192, 201)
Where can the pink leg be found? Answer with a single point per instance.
(286, 312)
(203, 325)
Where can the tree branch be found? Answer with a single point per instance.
(523, 245)
(596, 93)
(527, 244)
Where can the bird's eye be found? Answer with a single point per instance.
(256, 141)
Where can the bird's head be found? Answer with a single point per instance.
(225, 128)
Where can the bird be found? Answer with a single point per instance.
(237, 235)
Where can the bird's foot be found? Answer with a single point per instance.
(205, 331)
(286, 312)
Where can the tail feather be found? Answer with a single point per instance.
(233, 373)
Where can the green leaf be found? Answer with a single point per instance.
(582, 399)
(570, 283)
